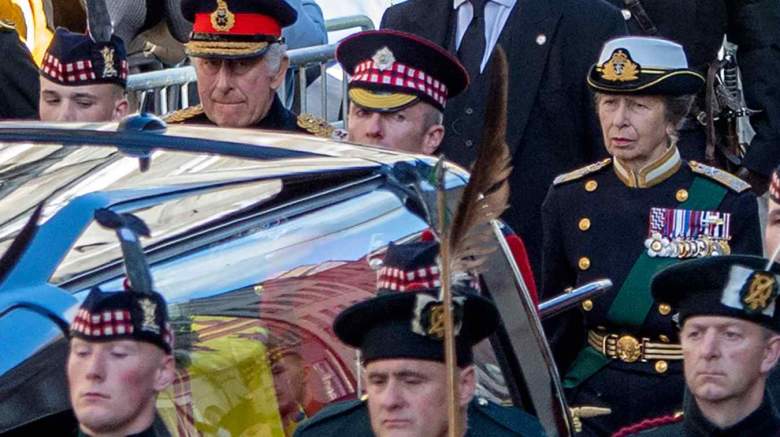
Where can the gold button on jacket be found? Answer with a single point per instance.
(584, 263)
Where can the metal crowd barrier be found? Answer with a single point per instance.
(167, 90)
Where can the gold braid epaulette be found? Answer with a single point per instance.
(581, 172)
(316, 125)
(720, 176)
(183, 114)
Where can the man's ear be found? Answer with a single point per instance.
(432, 139)
(166, 373)
(771, 354)
(467, 385)
(278, 79)
(121, 109)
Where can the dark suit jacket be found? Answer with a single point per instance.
(550, 45)
(19, 78)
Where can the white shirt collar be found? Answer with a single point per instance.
(506, 3)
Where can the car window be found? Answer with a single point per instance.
(36, 388)
(252, 314)
(98, 246)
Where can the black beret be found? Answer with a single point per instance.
(408, 325)
(740, 286)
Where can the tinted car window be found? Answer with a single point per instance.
(253, 311)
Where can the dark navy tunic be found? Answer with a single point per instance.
(595, 226)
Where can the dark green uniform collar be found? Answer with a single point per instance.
(764, 421)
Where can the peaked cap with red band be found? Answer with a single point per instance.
(74, 59)
(123, 315)
(235, 29)
(392, 70)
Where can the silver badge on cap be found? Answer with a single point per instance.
(383, 59)
(149, 309)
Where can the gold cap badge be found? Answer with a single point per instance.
(759, 292)
(620, 68)
(222, 19)
(428, 317)
(108, 62)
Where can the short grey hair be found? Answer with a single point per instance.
(432, 116)
(273, 57)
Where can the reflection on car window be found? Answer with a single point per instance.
(253, 313)
(98, 246)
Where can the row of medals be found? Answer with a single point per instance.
(660, 246)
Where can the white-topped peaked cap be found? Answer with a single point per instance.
(647, 52)
(643, 65)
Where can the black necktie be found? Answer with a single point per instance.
(472, 46)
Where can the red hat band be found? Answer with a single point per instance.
(239, 24)
(408, 280)
(400, 76)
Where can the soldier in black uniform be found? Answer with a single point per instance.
(730, 335)
(699, 25)
(18, 76)
(626, 217)
(240, 61)
(120, 359)
(403, 355)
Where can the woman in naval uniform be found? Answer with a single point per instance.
(624, 218)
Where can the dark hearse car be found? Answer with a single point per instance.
(258, 240)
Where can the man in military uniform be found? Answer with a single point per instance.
(240, 61)
(19, 90)
(83, 80)
(699, 26)
(403, 355)
(119, 360)
(398, 88)
(730, 336)
(625, 218)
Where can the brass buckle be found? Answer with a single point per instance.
(628, 348)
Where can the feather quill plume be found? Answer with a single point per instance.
(486, 196)
(466, 243)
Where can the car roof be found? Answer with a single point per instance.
(135, 132)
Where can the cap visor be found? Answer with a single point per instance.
(380, 101)
(226, 49)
